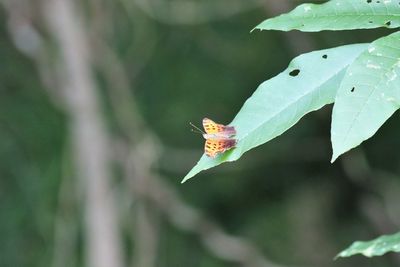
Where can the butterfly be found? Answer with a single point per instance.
(219, 137)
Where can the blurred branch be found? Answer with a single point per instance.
(144, 40)
(66, 225)
(138, 157)
(220, 244)
(138, 153)
(22, 22)
(193, 12)
(145, 231)
(372, 203)
(139, 161)
(357, 169)
(90, 141)
(298, 42)
(151, 187)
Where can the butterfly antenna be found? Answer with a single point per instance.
(196, 128)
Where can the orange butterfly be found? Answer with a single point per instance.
(218, 137)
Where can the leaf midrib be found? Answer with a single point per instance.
(338, 15)
(290, 104)
(381, 79)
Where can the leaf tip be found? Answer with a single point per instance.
(187, 177)
(255, 28)
(195, 170)
(335, 154)
(264, 25)
(337, 256)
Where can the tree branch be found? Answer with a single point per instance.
(89, 138)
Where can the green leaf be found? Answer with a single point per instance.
(337, 15)
(376, 247)
(280, 102)
(368, 95)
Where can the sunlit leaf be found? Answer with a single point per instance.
(310, 82)
(368, 95)
(337, 15)
(376, 247)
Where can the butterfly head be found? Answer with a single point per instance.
(196, 129)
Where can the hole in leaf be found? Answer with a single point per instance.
(369, 1)
(325, 56)
(294, 73)
(370, 21)
(352, 89)
(388, 23)
(378, 2)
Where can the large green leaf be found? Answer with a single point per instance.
(376, 247)
(368, 95)
(337, 15)
(310, 82)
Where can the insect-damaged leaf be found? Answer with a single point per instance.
(280, 102)
(368, 96)
(337, 15)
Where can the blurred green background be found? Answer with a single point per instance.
(182, 60)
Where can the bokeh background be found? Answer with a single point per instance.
(96, 97)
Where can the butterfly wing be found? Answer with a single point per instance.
(213, 147)
(211, 127)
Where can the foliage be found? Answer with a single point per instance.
(368, 95)
(337, 15)
(280, 102)
(357, 114)
(180, 72)
(370, 81)
(376, 247)
(363, 83)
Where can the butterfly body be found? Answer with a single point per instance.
(219, 138)
(216, 136)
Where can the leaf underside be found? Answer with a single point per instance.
(310, 82)
(376, 247)
(368, 95)
(337, 15)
